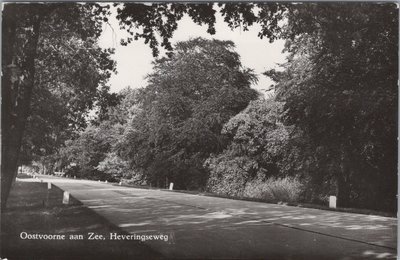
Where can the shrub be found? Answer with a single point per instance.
(286, 189)
(228, 175)
(113, 166)
(133, 177)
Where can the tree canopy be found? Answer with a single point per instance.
(189, 97)
(70, 72)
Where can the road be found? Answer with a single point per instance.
(203, 227)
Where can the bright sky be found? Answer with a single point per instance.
(134, 60)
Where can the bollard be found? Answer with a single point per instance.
(332, 202)
(66, 197)
(99, 180)
(106, 181)
(49, 185)
(171, 186)
(120, 183)
(74, 177)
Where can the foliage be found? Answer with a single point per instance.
(161, 19)
(256, 151)
(105, 102)
(339, 85)
(36, 39)
(156, 21)
(125, 110)
(340, 91)
(189, 97)
(69, 74)
(92, 152)
(336, 130)
(86, 152)
(113, 166)
(287, 189)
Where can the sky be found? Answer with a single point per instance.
(134, 60)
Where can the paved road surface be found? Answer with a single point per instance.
(207, 227)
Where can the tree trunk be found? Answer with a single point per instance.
(17, 86)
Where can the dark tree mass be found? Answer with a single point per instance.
(189, 98)
(51, 70)
(328, 127)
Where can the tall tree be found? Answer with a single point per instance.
(26, 28)
(340, 89)
(189, 97)
(70, 72)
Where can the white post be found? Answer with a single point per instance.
(106, 181)
(66, 197)
(74, 177)
(49, 185)
(120, 183)
(171, 186)
(332, 202)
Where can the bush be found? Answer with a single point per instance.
(132, 177)
(286, 189)
(228, 175)
(113, 166)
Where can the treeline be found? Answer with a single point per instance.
(329, 128)
(165, 131)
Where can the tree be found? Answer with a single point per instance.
(258, 145)
(340, 90)
(189, 97)
(25, 28)
(70, 73)
(117, 108)
(92, 153)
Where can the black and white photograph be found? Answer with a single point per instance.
(199, 130)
